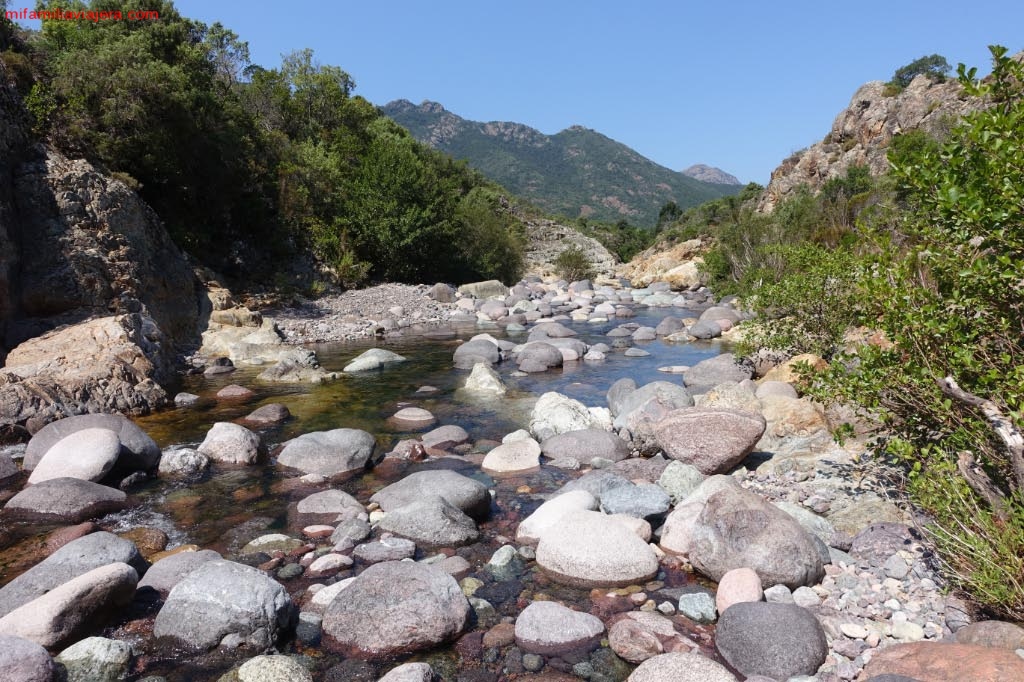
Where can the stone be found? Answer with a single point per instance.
(555, 413)
(636, 353)
(138, 452)
(65, 613)
(549, 514)
(776, 388)
(992, 633)
(96, 659)
(739, 585)
(736, 528)
(514, 457)
(679, 480)
(712, 439)
(775, 640)
(374, 358)
(445, 437)
(163, 575)
(223, 603)
(431, 521)
(70, 500)
(442, 293)
(88, 455)
(183, 462)
(548, 628)
(231, 444)
(714, 371)
(74, 559)
(476, 351)
(385, 549)
(677, 667)
(788, 417)
(787, 370)
(328, 505)
(273, 669)
(483, 379)
(590, 549)
(271, 542)
(617, 394)
(22, 660)
(394, 608)
(537, 356)
(235, 392)
(878, 541)
(185, 400)
(268, 415)
(491, 288)
(698, 606)
(946, 662)
(585, 444)
(806, 597)
(465, 493)
(328, 453)
(730, 395)
(351, 531)
(642, 501)
(639, 411)
(409, 672)
(808, 520)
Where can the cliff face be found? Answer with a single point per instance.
(546, 240)
(95, 298)
(861, 133)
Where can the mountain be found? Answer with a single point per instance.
(577, 172)
(716, 176)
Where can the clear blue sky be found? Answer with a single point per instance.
(738, 85)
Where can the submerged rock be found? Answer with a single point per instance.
(375, 358)
(65, 499)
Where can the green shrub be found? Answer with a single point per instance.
(573, 265)
(934, 66)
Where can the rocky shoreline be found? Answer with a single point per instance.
(705, 527)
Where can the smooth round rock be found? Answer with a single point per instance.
(946, 662)
(183, 462)
(231, 444)
(413, 418)
(739, 585)
(328, 453)
(374, 358)
(328, 505)
(163, 575)
(273, 669)
(235, 392)
(394, 608)
(513, 457)
(445, 437)
(461, 491)
(96, 659)
(272, 413)
(70, 500)
(712, 439)
(586, 444)
(590, 549)
(409, 672)
(774, 640)
(548, 628)
(22, 660)
(139, 452)
(675, 667)
(88, 454)
(431, 521)
(549, 514)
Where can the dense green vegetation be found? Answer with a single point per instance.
(253, 167)
(575, 173)
(572, 265)
(930, 259)
(934, 66)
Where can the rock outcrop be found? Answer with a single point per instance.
(861, 133)
(546, 240)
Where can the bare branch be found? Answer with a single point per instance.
(981, 483)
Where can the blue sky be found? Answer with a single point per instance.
(739, 85)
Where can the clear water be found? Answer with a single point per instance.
(230, 506)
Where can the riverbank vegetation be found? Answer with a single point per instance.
(928, 262)
(254, 169)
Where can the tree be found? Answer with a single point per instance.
(934, 66)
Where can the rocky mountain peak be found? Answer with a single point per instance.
(705, 173)
(861, 133)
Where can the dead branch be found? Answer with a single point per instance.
(981, 483)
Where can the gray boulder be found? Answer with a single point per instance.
(460, 491)
(679, 480)
(139, 452)
(171, 570)
(598, 483)
(269, 414)
(22, 660)
(476, 351)
(737, 528)
(483, 379)
(96, 659)
(591, 549)
(640, 411)
(328, 453)
(274, 668)
(641, 501)
(550, 629)
(617, 394)
(183, 462)
(775, 640)
(231, 443)
(491, 288)
(445, 437)
(668, 325)
(442, 293)
(555, 413)
(88, 454)
(431, 521)
(718, 312)
(409, 672)
(386, 549)
(395, 608)
(717, 370)
(70, 610)
(70, 561)
(69, 500)
(586, 444)
(538, 356)
(328, 506)
(223, 603)
(712, 439)
(375, 358)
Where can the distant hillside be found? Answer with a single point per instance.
(715, 176)
(576, 173)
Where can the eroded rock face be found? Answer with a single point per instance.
(393, 608)
(946, 662)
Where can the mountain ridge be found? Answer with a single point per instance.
(577, 172)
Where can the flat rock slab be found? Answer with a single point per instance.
(375, 358)
(328, 453)
(412, 418)
(775, 640)
(395, 608)
(138, 451)
(68, 611)
(946, 662)
(550, 629)
(516, 456)
(590, 549)
(465, 493)
(88, 454)
(385, 549)
(70, 500)
(445, 437)
(223, 603)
